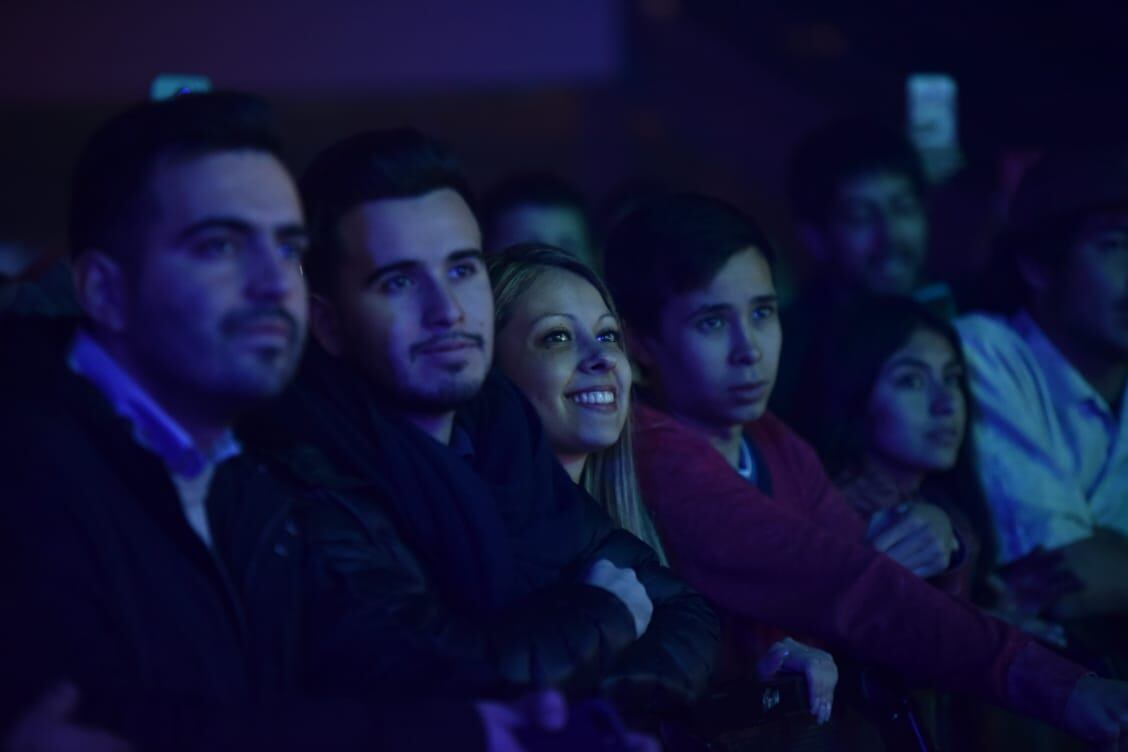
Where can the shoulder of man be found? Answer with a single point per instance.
(984, 334)
(999, 359)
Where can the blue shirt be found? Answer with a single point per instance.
(1052, 455)
(154, 429)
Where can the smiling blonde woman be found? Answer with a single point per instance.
(559, 339)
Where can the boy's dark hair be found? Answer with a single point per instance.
(532, 189)
(369, 166)
(670, 245)
(110, 195)
(839, 151)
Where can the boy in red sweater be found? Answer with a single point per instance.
(746, 511)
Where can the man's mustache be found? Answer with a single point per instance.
(441, 339)
(233, 322)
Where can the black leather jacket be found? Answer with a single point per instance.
(392, 618)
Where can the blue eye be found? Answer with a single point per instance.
(294, 249)
(709, 324)
(463, 270)
(764, 312)
(216, 247)
(396, 283)
(610, 335)
(556, 337)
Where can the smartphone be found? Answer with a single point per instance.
(932, 123)
(931, 110)
(168, 85)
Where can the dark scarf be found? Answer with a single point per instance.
(490, 528)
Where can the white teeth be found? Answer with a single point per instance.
(594, 398)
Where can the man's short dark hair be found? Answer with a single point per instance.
(369, 166)
(671, 245)
(1062, 191)
(532, 189)
(842, 150)
(110, 196)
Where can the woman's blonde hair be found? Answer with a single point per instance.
(609, 474)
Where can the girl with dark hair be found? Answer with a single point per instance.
(890, 391)
(888, 386)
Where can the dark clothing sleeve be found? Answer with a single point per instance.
(65, 619)
(106, 586)
(456, 572)
(379, 624)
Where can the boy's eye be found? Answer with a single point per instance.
(463, 270)
(709, 324)
(764, 312)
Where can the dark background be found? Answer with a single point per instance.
(707, 95)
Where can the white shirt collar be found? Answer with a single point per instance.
(746, 465)
(153, 428)
(1065, 382)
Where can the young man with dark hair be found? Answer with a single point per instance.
(539, 207)
(147, 558)
(522, 580)
(745, 509)
(858, 202)
(857, 194)
(1049, 374)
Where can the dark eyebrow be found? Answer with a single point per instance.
(232, 224)
(907, 360)
(469, 253)
(714, 308)
(410, 264)
(292, 231)
(397, 266)
(771, 298)
(240, 226)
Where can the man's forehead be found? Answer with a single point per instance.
(251, 184)
(743, 278)
(426, 228)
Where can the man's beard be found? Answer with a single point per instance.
(444, 398)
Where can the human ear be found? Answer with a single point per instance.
(325, 323)
(100, 286)
(1033, 274)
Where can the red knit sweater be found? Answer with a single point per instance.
(794, 560)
